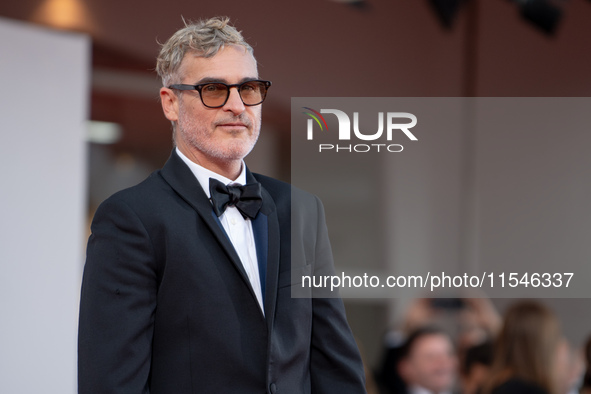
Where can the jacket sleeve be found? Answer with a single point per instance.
(117, 304)
(336, 365)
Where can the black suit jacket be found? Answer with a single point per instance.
(166, 306)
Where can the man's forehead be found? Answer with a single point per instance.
(430, 342)
(231, 64)
(236, 53)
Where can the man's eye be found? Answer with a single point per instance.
(248, 87)
(213, 87)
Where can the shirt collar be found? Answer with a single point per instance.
(415, 389)
(203, 174)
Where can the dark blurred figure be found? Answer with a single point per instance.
(479, 323)
(428, 362)
(475, 367)
(470, 321)
(530, 355)
(586, 387)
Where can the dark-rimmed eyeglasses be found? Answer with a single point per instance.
(216, 94)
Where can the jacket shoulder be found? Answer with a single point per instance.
(145, 193)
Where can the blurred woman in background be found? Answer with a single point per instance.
(529, 354)
(586, 387)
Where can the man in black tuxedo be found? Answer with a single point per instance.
(187, 282)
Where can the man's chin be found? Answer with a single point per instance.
(238, 152)
(232, 155)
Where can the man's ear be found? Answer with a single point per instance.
(170, 104)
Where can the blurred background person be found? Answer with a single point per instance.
(586, 384)
(468, 322)
(530, 355)
(479, 323)
(475, 367)
(572, 366)
(428, 362)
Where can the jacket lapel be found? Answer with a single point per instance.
(176, 173)
(260, 230)
(265, 228)
(268, 214)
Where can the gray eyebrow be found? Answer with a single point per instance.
(223, 80)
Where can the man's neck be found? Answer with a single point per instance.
(229, 169)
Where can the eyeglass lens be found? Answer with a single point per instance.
(215, 94)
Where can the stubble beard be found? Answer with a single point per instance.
(198, 137)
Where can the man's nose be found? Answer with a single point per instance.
(234, 103)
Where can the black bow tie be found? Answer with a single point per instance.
(247, 198)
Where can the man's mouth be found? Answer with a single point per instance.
(233, 124)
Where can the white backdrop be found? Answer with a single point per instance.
(44, 78)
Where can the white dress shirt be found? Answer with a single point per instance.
(238, 229)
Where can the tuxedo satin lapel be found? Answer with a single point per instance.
(272, 266)
(176, 173)
(260, 229)
(269, 213)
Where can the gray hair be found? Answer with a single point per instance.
(204, 38)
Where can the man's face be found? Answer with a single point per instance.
(220, 134)
(431, 364)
